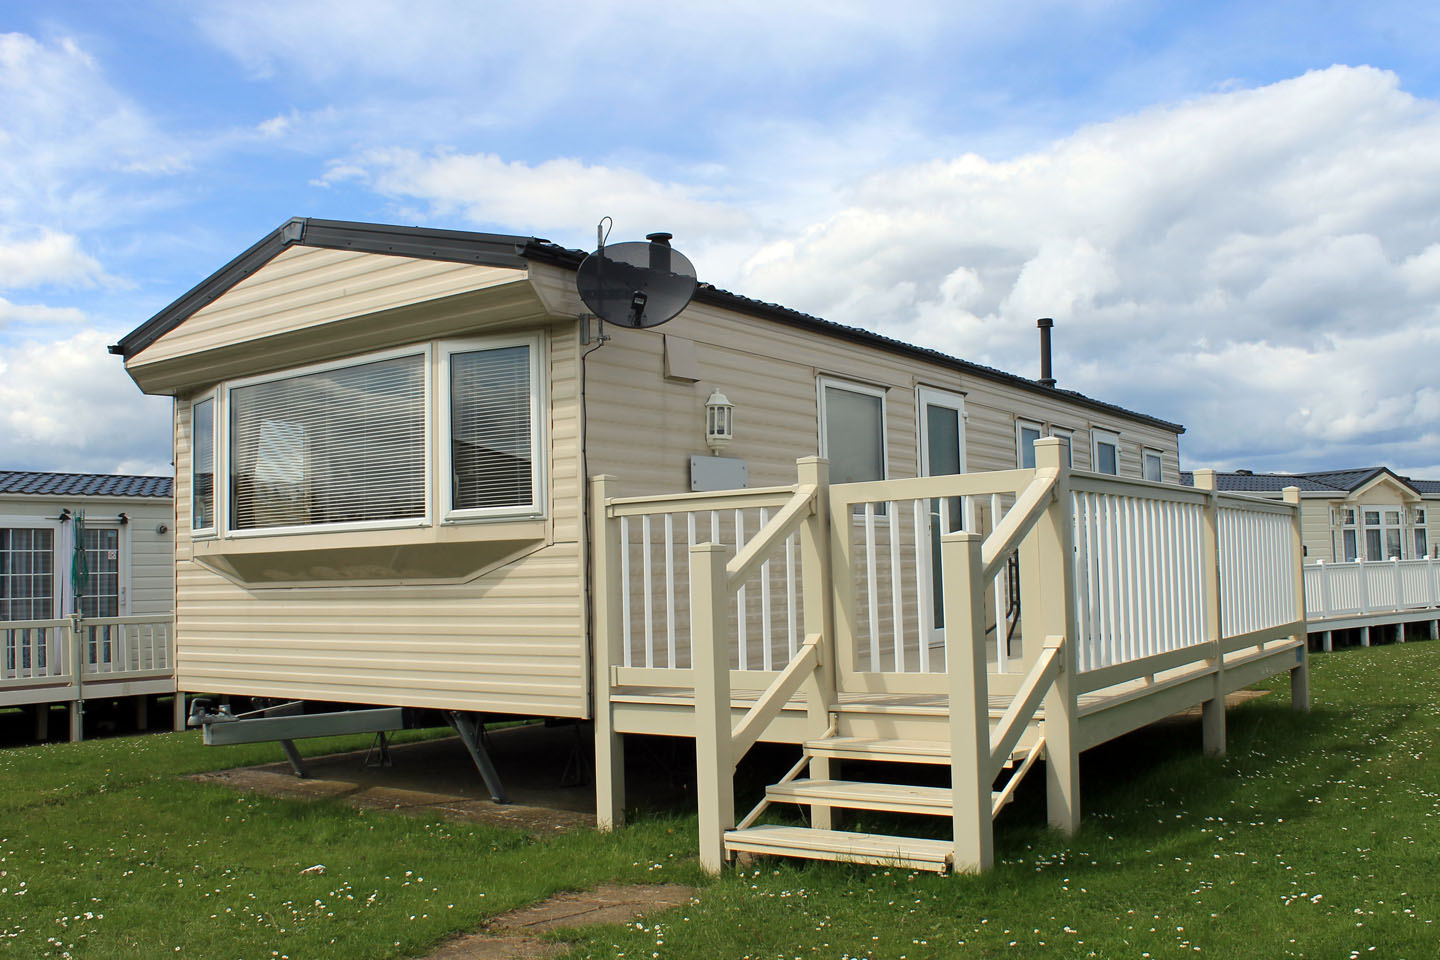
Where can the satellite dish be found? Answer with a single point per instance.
(636, 284)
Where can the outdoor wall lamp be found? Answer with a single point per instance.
(719, 422)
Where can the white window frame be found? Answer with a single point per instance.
(1097, 437)
(217, 477)
(122, 558)
(821, 383)
(536, 508)
(926, 396)
(59, 575)
(1145, 454)
(424, 520)
(1068, 435)
(1022, 424)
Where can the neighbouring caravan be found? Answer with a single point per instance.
(381, 434)
(411, 472)
(87, 570)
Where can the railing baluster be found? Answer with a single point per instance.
(872, 591)
(626, 587)
(670, 590)
(649, 585)
(792, 634)
(897, 611)
(768, 657)
(924, 584)
(742, 609)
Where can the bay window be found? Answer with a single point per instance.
(493, 454)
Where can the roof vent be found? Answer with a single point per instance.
(1245, 473)
(1045, 323)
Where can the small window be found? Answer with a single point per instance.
(1422, 543)
(852, 431)
(494, 451)
(202, 466)
(1152, 466)
(1420, 515)
(1348, 517)
(1066, 438)
(1105, 452)
(1352, 550)
(1026, 433)
(1372, 518)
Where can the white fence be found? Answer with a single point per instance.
(1363, 588)
(106, 647)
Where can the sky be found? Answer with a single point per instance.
(1232, 210)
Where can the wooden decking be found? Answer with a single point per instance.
(860, 624)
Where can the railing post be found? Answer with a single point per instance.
(815, 600)
(606, 638)
(710, 660)
(1300, 673)
(1054, 536)
(77, 664)
(1364, 569)
(1212, 712)
(1399, 584)
(1324, 577)
(971, 778)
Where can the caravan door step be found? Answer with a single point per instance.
(908, 852)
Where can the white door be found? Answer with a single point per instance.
(942, 452)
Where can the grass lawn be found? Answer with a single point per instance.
(1316, 836)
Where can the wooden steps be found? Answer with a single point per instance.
(865, 795)
(872, 748)
(908, 852)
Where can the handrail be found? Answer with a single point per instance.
(930, 488)
(1009, 790)
(768, 706)
(33, 624)
(699, 502)
(782, 525)
(1032, 690)
(1029, 507)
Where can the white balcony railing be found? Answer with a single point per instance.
(1364, 588)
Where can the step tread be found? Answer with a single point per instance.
(854, 794)
(916, 751)
(839, 845)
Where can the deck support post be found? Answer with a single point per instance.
(77, 677)
(819, 688)
(971, 778)
(1055, 550)
(42, 721)
(177, 712)
(1365, 636)
(1435, 629)
(1212, 711)
(142, 712)
(1327, 644)
(1300, 673)
(710, 660)
(606, 638)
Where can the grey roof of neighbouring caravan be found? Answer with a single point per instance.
(41, 484)
(505, 250)
(1317, 481)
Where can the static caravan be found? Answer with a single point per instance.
(1371, 544)
(87, 571)
(413, 471)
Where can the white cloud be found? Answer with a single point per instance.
(50, 258)
(38, 315)
(67, 405)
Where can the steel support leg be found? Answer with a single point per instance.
(469, 728)
(293, 756)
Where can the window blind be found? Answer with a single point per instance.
(202, 462)
(335, 446)
(491, 430)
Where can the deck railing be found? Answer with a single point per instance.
(901, 587)
(44, 652)
(1363, 588)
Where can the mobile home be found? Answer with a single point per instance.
(87, 572)
(411, 471)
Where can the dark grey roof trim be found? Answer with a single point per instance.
(488, 249)
(1323, 481)
(37, 483)
(505, 250)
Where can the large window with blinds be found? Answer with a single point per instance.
(337, 445)
(493, 455)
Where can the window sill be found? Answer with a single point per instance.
(443, 554)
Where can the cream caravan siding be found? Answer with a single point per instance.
(307, 287)
(1315, 529)
(769, 371)
(510, 640)
(147, 572)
